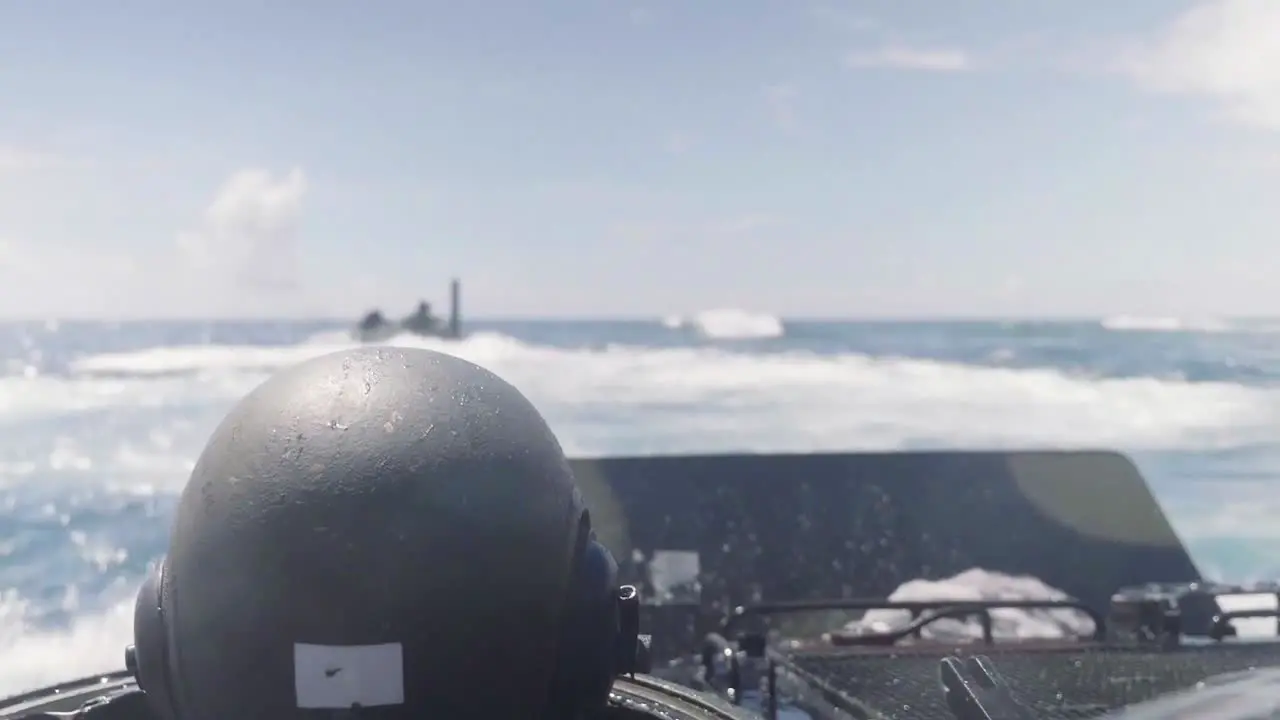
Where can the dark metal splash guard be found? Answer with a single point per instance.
(706, 533)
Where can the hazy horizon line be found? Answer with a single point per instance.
(636, 318)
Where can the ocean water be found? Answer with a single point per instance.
(100, 424)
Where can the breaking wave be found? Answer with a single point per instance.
(1141, 323)
(715, 399)
(730, 324)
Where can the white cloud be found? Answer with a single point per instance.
(902, 57)
(1227, 50)
(249, 235)
(241, 260)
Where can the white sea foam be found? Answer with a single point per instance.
(669, 400)
(730, 324)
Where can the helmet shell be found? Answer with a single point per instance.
(369, 499)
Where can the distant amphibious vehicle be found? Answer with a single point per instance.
(374, 327)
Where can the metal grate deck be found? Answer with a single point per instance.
(1065, 682)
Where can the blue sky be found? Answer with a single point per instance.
(641, 157)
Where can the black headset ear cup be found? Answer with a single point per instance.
(588, 641)
(151, 645)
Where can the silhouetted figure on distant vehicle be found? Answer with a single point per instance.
(421, 321)
(373, 320)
